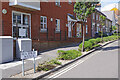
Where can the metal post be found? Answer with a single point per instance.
(34, 63)
(23, 66)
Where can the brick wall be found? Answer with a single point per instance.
(50, 39)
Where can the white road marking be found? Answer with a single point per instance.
(70, 67)
(9, 65)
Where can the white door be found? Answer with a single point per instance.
(69, 30)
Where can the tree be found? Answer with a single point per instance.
(102, 22)
(114, 28)
(83, 10)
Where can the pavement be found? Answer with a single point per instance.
(102, 63)
(15, 67)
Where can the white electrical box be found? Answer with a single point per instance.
(23, 44)
(6, 49)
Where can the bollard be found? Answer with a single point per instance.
(23, 74)
(34, 61)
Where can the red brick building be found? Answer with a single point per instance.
(96, 24)
(48, 24)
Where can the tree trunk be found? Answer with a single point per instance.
(83, 36)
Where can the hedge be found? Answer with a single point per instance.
(91, 43)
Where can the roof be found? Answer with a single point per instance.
(110, 15)
(71, 16)
(100, 12)
(109, 19)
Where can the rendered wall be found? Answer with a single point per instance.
(6, 49)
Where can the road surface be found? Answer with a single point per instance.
(102, 63)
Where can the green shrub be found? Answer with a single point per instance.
(56, 62)
(98, 40)
(68, 55)
(105, 39)
(87, 46)
(45, 67)
(115, 34)
(93, 41)
(97, 45)
(118, 37)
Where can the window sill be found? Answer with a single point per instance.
(43, 31)
(79, 37)
(58, 5)
(57, 31)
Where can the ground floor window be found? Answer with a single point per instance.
(21, 25)
(43, 23)
(57, 24)
(79, 30)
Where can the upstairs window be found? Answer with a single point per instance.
(43, 23)
(57, 24)
(16, 18)
(25, 19)
(57, 2)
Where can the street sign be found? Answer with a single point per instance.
(27, 55)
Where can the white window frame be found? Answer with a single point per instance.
(57, 2)
(96, 16)
(43, 23)
(86, 29)
(57, 25)
(17, 12)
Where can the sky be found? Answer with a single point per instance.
(107, 4)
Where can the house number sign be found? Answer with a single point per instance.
(4, 11)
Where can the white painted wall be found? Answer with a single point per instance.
(33, 4)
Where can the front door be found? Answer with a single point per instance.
(20, 27)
